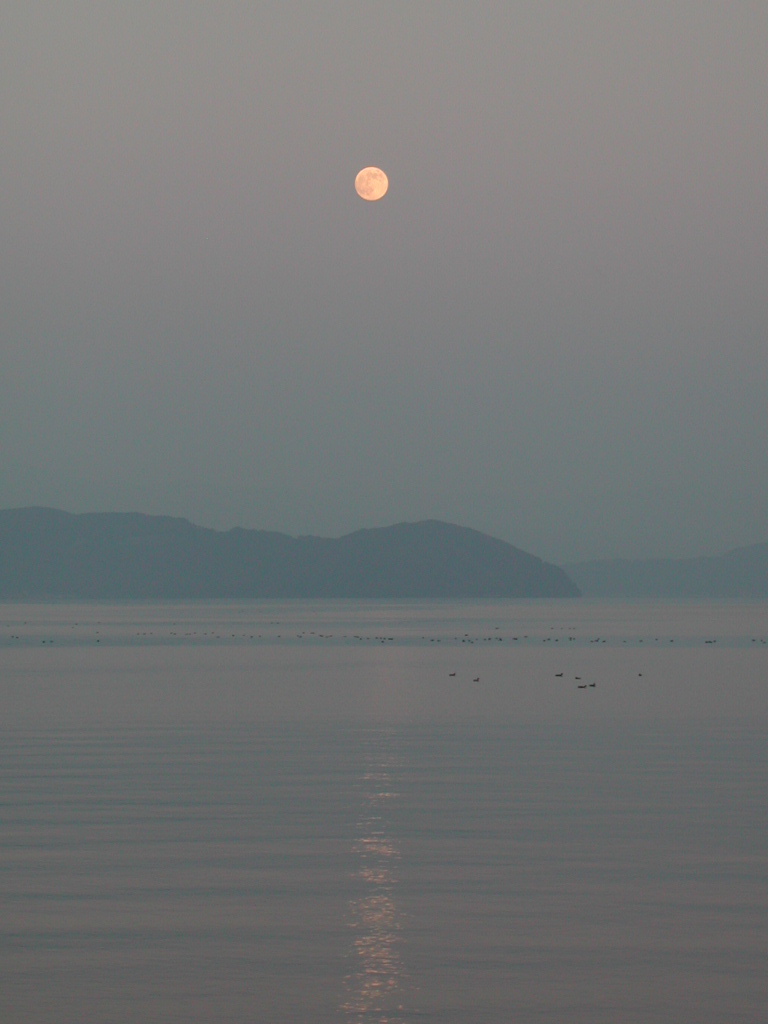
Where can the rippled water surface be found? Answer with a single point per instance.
(353, 812)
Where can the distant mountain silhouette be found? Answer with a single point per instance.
(45, 553)
(742, 572)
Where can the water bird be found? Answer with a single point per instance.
(476, 680)
(558, 675)
(451, 673)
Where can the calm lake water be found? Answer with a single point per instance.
(384, 811)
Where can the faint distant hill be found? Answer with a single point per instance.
(742, 572)
(45, 553)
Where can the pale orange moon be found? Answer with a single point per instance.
(371, 183)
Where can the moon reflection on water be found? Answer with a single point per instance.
(374, 986)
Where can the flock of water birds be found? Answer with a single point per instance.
(29, 633)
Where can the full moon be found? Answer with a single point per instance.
(371, 183)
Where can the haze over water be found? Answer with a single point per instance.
(296, 811)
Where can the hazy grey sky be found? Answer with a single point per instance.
(553, 328)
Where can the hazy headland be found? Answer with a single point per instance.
(46, 553)
(742, 572)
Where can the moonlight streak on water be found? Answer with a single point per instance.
(374, 987)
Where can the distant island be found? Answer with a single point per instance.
(742, 572)
(49, 554)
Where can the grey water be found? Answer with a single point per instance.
(384, 811)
